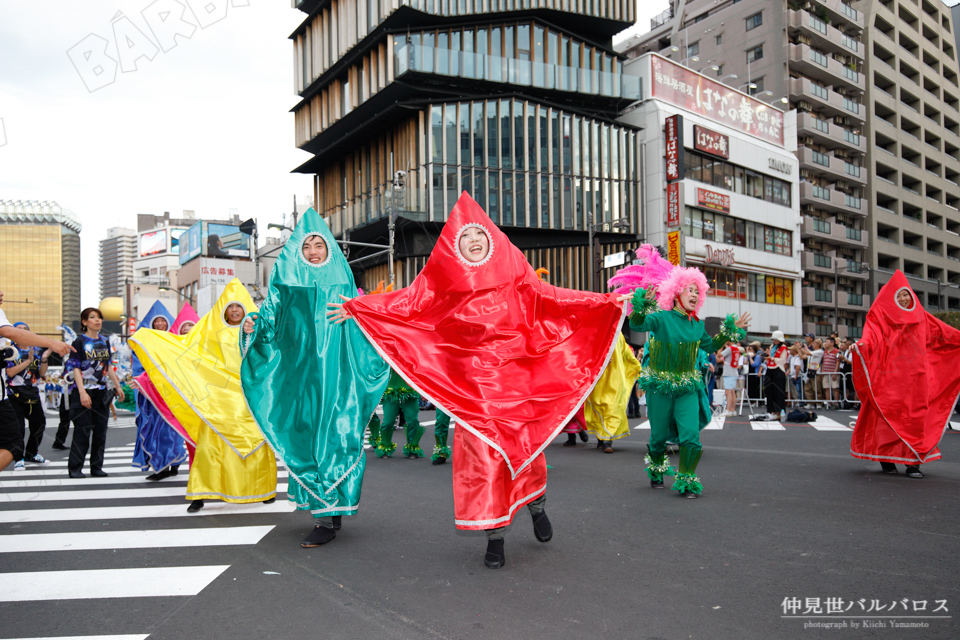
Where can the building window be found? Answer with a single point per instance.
(724, 175)
(720, 39)
(755, 54)
(719, 70)
(693, 49)
(757, 86)
(719, 227)
(754, 21)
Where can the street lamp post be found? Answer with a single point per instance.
(619, 223)
(182, 295)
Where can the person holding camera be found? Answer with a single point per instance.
(24, 371)
(11, 429)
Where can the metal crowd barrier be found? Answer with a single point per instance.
(819, 400)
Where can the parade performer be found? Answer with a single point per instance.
(511, 358)
(673, 381)
(441, 452)
(577, 426)
(156, 446)
(605, 410)
(338, 377)
(198, 377)
(398, 398)
(24, 373)
(903, 348)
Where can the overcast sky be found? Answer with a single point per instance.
(198, 122)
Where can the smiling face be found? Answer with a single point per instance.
(904, 299)
(234, 314)
(474, 244)
(185, 328)
(159, 323)
(315, 250)
(689, 298)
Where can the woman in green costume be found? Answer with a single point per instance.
(441, 452)
(673, 380)
(312, 385)
(399, 397)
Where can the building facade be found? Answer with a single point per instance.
(40, 264)
(808, 57)
(406, 104)
(117, 253)
(722, 191)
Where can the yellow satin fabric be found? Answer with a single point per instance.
(605, 410)
(198, 375)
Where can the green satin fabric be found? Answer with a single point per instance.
(312, 385)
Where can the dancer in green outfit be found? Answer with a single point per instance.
(441, 452)
(399, 397)
(672, 380)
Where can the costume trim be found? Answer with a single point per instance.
(474, 431)
(202, 495)
(516, 505)
(149, 463)
(315, 512)
(303, 258)
(866, 373)
(185, 437)
(456, 245)
(197, 411)
(871, 456)
(903, 308)
(223, 319)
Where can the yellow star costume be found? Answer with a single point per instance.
(198, 376)
(605, 410)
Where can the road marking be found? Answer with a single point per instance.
(643, 425)
(99, 494)
(62, 471)
(135, 636)
(141, 539)
(20, 482)
(716, 423)
(767, 426)
(108, 583)
(212, 508)
(823, 423)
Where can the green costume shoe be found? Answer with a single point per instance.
(441, 452)
(658, 465)
(687, 482)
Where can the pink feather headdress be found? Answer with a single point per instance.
(680, 278)
(654, 271)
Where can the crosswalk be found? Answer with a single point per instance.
(822, 423)
(119, 538)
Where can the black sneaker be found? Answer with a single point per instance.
(656, 484)
(337, 523)
(319, 535)
(495, 558)
(270, 500)
(571, 440)
(99, 473)
(195, 506)
(888, 467)
(59, 446)
(160, 475)
(584, 436)
(690, 495)
(440, 460)
(914, 472)
(542, 527)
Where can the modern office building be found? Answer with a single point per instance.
(811, 55)
(722, 191)
(406, 104)
(117, 253)
(40, 264)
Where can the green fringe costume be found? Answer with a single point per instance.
(399, 397)
(440, 431)
(674, 384)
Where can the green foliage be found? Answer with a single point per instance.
(951, 318)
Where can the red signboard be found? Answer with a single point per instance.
(711, 142)
(673, 128)
(713, 201)
(689, 90)
(673, 204)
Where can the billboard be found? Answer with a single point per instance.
(711, 142)
(687, 89)
(673, 128)
(713, 200)
(225, 241)
(175, 240)
(190, 244)
(153, 243)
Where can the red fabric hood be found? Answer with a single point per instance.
(506, 354)
(906, 365)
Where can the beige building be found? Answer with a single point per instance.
(117, 253)
(40, 264)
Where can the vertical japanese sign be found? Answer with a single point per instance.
(689, 90)
(673, 131)
(673, 247)
(673, 204)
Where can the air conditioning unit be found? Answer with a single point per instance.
(840, 153)
(841, 90)
(842, 184)
(802, 39)
(841, 120)
(807, 141)
(808, 208)
(807, 173)
(803, 105)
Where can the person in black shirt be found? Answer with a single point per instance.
(23, 375)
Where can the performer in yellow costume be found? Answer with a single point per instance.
(605, 409)
(198, 376)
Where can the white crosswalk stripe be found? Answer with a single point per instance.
(822, 423)
(128, 513)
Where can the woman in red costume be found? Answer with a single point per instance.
(903, 348)
(509, 356)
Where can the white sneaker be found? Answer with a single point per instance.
(37, 459)
(19, 466)
(773, 416)
(727, 414)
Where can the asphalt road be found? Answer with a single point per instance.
(785, 514)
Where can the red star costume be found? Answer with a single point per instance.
(906, 375)
(509, 356)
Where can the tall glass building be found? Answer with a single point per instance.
(405, 104)
(40, 265)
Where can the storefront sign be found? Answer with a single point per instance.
(720, 256)
(780, 165)
(673, 204)
(713, 201)
(689, 90)
(673, 247)
(711, 142)
(673, 129)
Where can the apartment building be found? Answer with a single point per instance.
(117, 253)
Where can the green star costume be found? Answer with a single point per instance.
(674, 385)
(312, 385)
(399, 397)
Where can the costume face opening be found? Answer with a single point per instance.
(234, 314)
(905, 299)
(185, 328)
(473, 244)
(689, 297)
(159, 323)
(314, 250)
